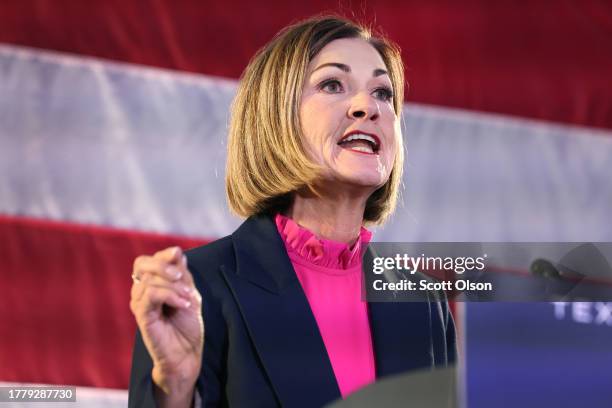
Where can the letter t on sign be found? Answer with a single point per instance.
(560, 309)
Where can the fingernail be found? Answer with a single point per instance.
(173, 272)
(186, 289)
(187, 303)
(184, 260)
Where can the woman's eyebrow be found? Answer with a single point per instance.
(377, 72)
(343, 67)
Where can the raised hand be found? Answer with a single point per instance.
(167, 307)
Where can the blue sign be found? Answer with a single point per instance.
(539, 354)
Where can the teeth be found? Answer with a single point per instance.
(362, 149)
(360, 136)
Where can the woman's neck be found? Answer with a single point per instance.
(338, 218)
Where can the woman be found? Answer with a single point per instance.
(272, 314)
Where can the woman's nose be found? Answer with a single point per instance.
(364, 107)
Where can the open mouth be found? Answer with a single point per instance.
(360, 142)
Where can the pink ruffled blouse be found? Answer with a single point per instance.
(330, 274)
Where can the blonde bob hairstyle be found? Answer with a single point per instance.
(266, 161)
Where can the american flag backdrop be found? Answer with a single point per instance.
(113, 122)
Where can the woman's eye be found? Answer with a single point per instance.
(331, 86)
(384, 94)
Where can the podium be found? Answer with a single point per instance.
(430, 388)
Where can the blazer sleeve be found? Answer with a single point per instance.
(213, 376)
(451, 335)
(141, 392)
(444, 341)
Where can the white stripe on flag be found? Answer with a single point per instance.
(88, 141)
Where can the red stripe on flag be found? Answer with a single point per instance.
(544, 60)
(64, 314)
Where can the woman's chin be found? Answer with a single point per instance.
(368, 181)
(368, 170)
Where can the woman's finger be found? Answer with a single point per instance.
(181, 288)
(155, 297)
(170, 255)
(176, 263)
(150, 265)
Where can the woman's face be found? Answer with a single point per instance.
(347, 116)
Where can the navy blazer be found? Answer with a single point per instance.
(262, 346)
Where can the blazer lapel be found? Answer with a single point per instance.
(278, 317)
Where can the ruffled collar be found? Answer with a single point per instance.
(318, 251)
